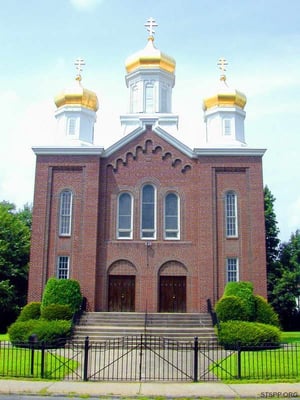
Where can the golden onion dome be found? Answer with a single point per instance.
(150, 57)
(77, 95)
(225, 97)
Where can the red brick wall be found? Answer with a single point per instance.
(200, 253)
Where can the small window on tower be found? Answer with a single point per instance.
(227, 130)
(71, 126)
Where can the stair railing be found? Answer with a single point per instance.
(213, 314)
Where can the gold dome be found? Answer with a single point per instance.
(77, 95)
(225, 97)
(150, 57)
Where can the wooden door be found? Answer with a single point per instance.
(121, 293)
(172, 294)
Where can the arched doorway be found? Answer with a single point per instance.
(121, 287)
(172, 287)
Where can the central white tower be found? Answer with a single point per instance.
(150, 79)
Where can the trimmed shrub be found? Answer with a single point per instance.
(30, 311)
(231, 308)
(48, 331)
(57, 312)
(264, 312)
(247, 334)
(62, 291)
(244, 290)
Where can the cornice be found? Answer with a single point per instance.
(238, 151)
(67, 150)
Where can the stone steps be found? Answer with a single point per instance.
(100, 326)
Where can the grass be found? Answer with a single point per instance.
(290, 337)
(18, 362)
(4, 337)
(283, 363)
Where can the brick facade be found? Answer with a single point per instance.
(96, 253)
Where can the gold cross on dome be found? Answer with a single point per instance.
(150, 25)
(79, 63)
(222, 64)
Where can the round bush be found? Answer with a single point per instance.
(57, 312)
(243, 290)
(231, 308)
(247, 334)
(62, 291)
(264, 312)
(30, 311)
(50, 332)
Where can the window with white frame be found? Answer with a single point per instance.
(149, 98)
(171, 228)
(148, 212)
(63, 267)
(124, 226)
(72, 122)
(231, 214)
(232, 269)
(227, 126)
(134, 99)
(65, 213)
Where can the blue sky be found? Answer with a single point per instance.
(260, 39)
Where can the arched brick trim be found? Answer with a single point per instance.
(173, 268)
(122, 267)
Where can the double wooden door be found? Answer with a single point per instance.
(121, 293)
(172, 294)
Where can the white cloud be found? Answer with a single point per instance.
(85, 4)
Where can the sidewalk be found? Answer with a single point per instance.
(136, 389)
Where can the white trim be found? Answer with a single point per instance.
(233, 217)
(131, 218)
(178, 218)
(58, 266)
(68, 150)
(230, 151)
(237, 271)
(154, 216)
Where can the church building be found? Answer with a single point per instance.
(148, 223)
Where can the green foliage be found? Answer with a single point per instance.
(246, 333)
(56, 312)
(48, 331)
(272, 231)
(264, 312)
(30, 311)
(62, 291)
(231, 308)
(14, 258)
(243, 290)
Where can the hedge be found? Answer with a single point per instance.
(243, 290)
(231, 308)
(62, 291)
(30, 311)
(48, 331)
(246, 334)
(264, 312)
(56, 312)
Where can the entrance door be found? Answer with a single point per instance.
(121, 293)
(172, 294)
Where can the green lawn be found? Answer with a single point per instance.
(4, 337)
(17, 362)
(290, 337)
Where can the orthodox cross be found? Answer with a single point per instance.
(150, 25)
(79, 63)
(222, 64)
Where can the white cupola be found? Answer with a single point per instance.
(150, 78)
(76, 112)
(224, 114)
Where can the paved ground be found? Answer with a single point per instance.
(133, 389)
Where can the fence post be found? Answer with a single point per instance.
(239, 361)
(43, 360)
(86, 359)
(196, 350)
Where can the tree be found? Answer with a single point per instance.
(286, 290)
(272, 242)
(14, 259)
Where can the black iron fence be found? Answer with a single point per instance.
(149, 358)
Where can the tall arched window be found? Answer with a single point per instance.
(231, 214)
(148, 212)
(65, 213)
(124, 227)
(171, 228)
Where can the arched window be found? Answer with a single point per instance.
(65, 213)
(171, 228)
(124, 226)
(231, 214)
(148, 212)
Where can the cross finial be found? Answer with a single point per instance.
(150, 25)
(79, 63)
(222, 64)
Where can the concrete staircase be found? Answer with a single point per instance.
(99, 326)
